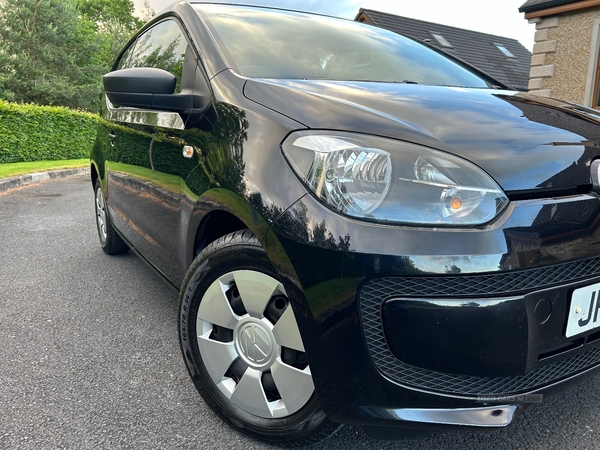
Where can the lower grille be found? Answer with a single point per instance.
(375, 292)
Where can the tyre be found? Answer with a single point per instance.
(110, 241)
(242, 346)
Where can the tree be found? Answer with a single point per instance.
(48, 54)
(109, 11)
(54, 52)
(115, 24)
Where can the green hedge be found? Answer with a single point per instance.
(44, 133)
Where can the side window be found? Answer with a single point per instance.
(125, 58)
(162, 46)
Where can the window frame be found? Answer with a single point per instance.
(592, 85)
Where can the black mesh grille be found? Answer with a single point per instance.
(375, 292)
(510, 283)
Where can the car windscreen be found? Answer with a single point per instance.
(267, 43)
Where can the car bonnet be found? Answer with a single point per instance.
(526, 143)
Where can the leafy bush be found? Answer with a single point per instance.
(44, 133)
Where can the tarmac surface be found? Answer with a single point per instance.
(90, 359)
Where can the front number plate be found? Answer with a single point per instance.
(584, 313)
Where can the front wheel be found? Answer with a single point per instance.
(242, 346)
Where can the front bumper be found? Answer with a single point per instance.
(402, 329)
(479, 345)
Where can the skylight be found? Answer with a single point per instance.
(441, 40)
(506, 52)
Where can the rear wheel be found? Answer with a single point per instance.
(110, 241)
(243, 348)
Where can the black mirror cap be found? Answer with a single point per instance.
(150, 88)
(140, 80)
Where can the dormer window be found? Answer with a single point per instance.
(441, 40)
(506, 52)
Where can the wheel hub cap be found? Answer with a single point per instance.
(255, 343)
(248, 354)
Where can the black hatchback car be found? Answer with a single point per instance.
(362, 231)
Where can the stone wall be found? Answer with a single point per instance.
(559, 65)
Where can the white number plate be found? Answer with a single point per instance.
(584, 313)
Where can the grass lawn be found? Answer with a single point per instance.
(14, 169)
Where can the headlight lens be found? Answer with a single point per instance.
(392, 181)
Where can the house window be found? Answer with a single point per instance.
(506, 52)
(441, 40)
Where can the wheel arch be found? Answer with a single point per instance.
(217, 213)
(97, 173)
(214, 225)
(93, 173)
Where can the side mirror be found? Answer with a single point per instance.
(148, 88)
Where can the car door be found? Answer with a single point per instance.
(145, 154)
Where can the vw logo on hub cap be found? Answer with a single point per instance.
(254, 343)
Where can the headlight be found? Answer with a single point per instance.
(392, 181)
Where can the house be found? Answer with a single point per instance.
(503, 59)
(565, 61)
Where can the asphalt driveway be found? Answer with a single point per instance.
(89, 355)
